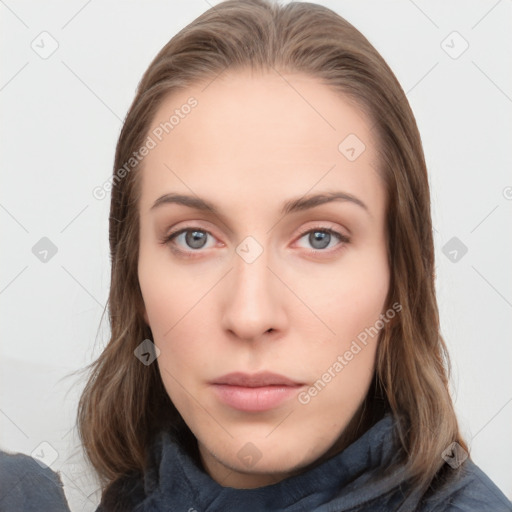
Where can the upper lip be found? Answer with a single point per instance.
(255, 380)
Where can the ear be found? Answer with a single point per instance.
(144, 313)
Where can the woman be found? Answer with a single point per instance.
(275, 333)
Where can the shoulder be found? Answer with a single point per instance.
(27, 485)
(467, 489)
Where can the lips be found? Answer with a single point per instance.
(254, 393)
(256, 380)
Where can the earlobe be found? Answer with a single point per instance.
(142, 307)
(144, 313)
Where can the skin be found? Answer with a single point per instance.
(252, 143)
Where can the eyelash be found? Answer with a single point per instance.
(168, 240)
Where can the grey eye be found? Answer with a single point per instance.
(195, 239)
(319, 239)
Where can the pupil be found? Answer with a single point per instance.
(323, 239)
(195, 239)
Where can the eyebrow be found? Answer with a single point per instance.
(291, 206)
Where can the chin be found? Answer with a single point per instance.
(267, 457)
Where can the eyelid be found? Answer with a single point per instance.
(169, 237)
(343, 240)
(325, 227)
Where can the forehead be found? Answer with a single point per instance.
(268, 131)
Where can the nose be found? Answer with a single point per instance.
(254, 298)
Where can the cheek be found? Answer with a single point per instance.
(167, 293)
(172, 302)
(351, 297)
(350, 306)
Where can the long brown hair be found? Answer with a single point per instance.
(124, 402)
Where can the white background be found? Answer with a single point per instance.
(61, 117)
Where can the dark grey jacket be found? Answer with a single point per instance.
(25, 486)
(353, 480)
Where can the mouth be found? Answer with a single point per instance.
(254, 393)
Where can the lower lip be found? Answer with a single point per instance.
(254, 399)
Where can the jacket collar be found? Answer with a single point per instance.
(341, 480)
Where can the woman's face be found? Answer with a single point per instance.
(265, 320)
